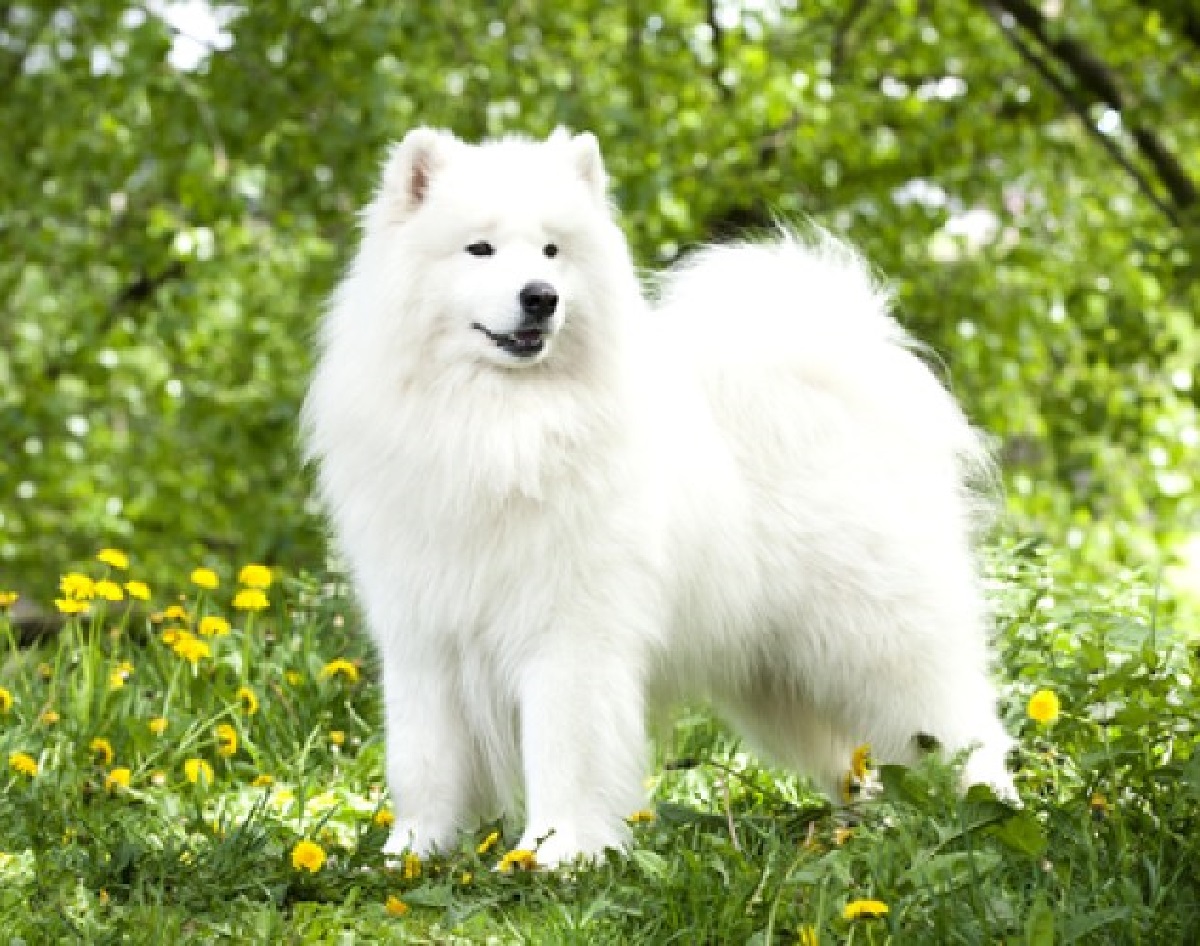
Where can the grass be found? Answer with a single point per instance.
(284, 711)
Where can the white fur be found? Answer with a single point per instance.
(753, 495)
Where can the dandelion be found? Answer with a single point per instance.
(249, 702)
(395, 906)
(864, 910)
(191, 648)
(250, 599)
(642, 816)
(116, 679)
(308, 855)
(71, 606)
(518, 859)
(337, 737)
(176, 612)
(48, 717)
(466, 878)
(342, 666)
(255, 576)
(108, 590)
(117, 778)
(293, 677)
(158, 725)
(23, 763)
(170, 636)
(102, 749)
(842, 835)
(8, 598)
(1043, 706)
(213, 626)
(227, 740)
(487, 843)
(1099, 806)
(808, 936)
(45, 671)
(114, 558)
(77, 586)
(6, 700)
(860, 761)
(263, 780)
(384, 818)
(205, 578)
(138, 589)
(197, 771)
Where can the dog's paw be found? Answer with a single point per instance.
(568, 845)
(984, 769)
(412, 837)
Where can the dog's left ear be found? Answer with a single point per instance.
(585, 153)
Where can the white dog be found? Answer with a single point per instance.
(561, 508)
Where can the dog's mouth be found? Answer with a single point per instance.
(523, 343)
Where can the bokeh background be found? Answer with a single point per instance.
(179, 184)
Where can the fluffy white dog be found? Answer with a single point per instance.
(562, 508)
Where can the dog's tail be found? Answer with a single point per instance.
(810, 306)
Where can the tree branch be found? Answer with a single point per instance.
(1079, 107)
(1093, 76)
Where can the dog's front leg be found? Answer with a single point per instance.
(429, 758)
(583, 748)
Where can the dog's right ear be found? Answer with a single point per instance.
(411, 165)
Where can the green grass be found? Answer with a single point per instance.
(1106, 850)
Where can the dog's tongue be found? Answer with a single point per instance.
(527, 335)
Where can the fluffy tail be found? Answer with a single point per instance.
(810, 307)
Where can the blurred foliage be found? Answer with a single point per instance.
(178, 185)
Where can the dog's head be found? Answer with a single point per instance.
(500, 241)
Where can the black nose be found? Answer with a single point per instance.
(538, 301)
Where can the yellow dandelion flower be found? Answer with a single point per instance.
(487, 843)
(6, 700)
(842, 835)
(337, 737)
(48, 717)
(176, 612)
(116, 679)
(263, 780)
(864, 910)
(294, 678)
(71, 606)
(102, 749)
(342, 666)
(170, 635)
(466, 877)
(191, 648)
(1099, 805)
(108, 590)
(250, 599)
(45, 671)
(860, 761)
(117, 778)
(384, 818)
(23, 763)
(8, 598)
(1043, 706)
(308, 855)
(255, 576)
(395, 907)
(198, 771)
(249, 702)
(213, 626)
(517, 859)
(412, 867)
(77, 586)
(158, 725)
(808, 936)
(227, 739)
(113, 557)
(205, 578)
(138, 589)
(643, 816)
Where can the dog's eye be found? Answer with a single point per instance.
(481, 248)
(550, 250)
